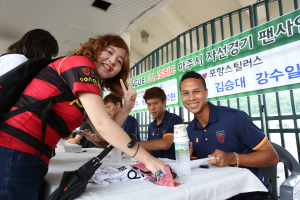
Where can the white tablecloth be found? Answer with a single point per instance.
(213, 183)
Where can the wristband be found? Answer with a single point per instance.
(237, 160)
(136, 151)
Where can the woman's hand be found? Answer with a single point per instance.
(129, 95)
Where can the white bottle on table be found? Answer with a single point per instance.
(115, 155)
(181, 143)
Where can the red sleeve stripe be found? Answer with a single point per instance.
(90, 88)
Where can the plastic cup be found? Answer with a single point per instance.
(181, 141)
(115, 155)
(180, 133)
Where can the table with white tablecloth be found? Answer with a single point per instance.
(213, 183)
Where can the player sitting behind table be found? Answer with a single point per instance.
(227, 134)
(161, 130)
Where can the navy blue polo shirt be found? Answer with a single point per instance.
(131, 126)
(229, 130)
(166, 127)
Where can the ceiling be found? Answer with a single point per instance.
(72, 22)
(181, 15)
(177, 17)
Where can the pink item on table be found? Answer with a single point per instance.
(164, 177)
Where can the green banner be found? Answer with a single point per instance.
(251, 50)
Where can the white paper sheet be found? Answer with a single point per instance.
(194, 163)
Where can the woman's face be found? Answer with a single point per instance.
(109, 62)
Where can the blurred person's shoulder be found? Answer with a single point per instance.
(11, 56)
(12, 59)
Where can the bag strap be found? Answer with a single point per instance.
(46, 112)
(66, 95)
(25, 137)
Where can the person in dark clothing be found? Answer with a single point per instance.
(161, 129)
(227, 134)
(78, 138)
(113, 104)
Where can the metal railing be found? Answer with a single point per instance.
(214, 31)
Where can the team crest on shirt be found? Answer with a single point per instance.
(163, 131)
(88, 75)
(220, 136)
(86, 71)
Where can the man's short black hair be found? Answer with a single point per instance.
(113, 98)
(155, 92)
(193, 74)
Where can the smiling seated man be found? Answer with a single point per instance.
(161, 130)
(227, 134)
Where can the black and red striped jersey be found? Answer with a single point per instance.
(74, 72)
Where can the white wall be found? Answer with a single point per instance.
(4, 44)
(135, 56)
